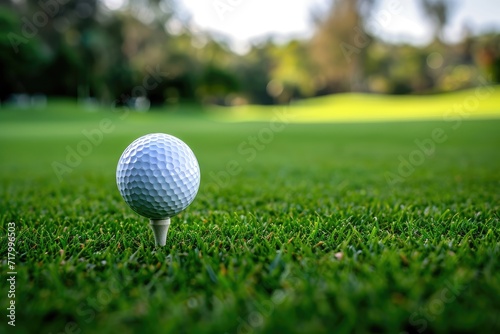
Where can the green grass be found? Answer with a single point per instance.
(307, 237)
(480, 102)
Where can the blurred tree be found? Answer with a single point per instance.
(339, 47)
(157, 44)
(487, 55)
(67, 33)
(183, 72)
(253, 70)
(215, 84)
(20, 57)
(409, 70)
(291, 70)
(86, 49)
(150, 48)
(439, 12)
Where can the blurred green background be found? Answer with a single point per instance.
(349, 173)
(156, 50)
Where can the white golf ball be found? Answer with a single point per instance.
(158, 176)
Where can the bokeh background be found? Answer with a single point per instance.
(348, 153)
(241, 52)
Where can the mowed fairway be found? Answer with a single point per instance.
(297, 228)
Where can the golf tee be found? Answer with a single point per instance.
(160, 230)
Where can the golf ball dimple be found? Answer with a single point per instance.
(158, 176)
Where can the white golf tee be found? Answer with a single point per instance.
(160, 230)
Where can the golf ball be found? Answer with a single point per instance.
(158, 176)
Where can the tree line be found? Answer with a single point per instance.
(82, 49)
